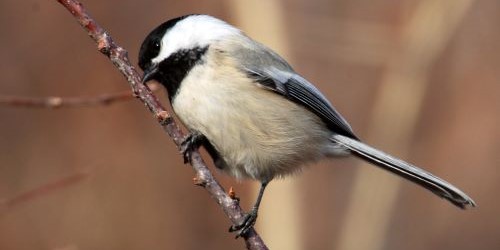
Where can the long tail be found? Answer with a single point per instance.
(425, 179)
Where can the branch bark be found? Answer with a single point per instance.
(54, 102)
(119, 58)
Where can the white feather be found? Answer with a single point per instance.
(191, 32)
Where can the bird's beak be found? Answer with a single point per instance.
(150, 73)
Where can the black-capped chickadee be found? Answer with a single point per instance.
(256, 117)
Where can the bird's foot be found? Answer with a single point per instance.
(245, 226)
(190, 143)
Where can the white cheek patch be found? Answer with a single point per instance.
(192, 32)
(178, 38)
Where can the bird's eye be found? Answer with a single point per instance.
(154, 48)
(156, 44)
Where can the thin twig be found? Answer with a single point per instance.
(119, 57)
(54, 102)
(42, 190)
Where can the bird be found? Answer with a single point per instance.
(256, 117)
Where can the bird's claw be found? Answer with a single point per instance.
(190, 143)
(245, 226)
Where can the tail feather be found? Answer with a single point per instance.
(425, 179)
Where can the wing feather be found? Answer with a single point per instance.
(297, 89)
(272, 72)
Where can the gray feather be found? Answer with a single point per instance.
(272, 72)
(425, 179)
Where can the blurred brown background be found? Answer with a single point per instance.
(417, 78)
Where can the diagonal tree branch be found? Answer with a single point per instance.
(119, 57)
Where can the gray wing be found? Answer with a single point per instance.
(272, 72)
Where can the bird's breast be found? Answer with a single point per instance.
(257, 133)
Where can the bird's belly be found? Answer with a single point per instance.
(258, 134)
